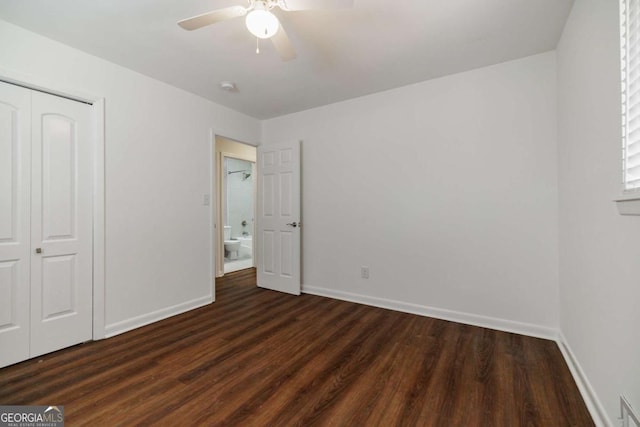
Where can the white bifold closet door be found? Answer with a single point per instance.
(15, 223)
(45, 223)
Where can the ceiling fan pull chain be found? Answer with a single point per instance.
(257, 45)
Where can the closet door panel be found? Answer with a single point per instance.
(15, 137)
(61, 285)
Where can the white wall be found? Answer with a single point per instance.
(158, 143)
(446, 189)
(599, 249)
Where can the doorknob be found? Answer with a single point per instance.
(38, 250)
(293, 224)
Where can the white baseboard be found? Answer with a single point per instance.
(439, 313)
(599, 415)
(145, 319)
(594, 405)
(589, 396)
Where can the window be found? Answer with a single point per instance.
(630, 66)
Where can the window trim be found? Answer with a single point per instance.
(629, 202)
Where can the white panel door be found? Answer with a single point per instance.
(278, 246)
(15, 157)
(61, 224)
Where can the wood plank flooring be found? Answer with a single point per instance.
(261, 358)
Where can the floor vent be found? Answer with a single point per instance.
(627, 415)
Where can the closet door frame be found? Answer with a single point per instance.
(98, 197)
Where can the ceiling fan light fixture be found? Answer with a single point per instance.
(262, 23)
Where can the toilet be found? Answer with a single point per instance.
(231, 246)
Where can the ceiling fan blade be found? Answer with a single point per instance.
(283, 45)
(209, 18)
(291, 5)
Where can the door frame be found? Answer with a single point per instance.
(216, 229)
(97, 104)
(221, 192)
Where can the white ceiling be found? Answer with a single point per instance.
(342, 54)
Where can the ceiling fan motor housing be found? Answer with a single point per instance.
(260, 22)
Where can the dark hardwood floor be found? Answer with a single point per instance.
(261, 358)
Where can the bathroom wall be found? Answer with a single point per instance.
(446, 189)
(245, 150)
(239, 196)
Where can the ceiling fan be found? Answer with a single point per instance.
(261, 22)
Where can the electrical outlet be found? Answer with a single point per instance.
(364, 272)
(206, 200)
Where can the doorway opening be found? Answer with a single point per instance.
(238, 200)
(235, 197)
